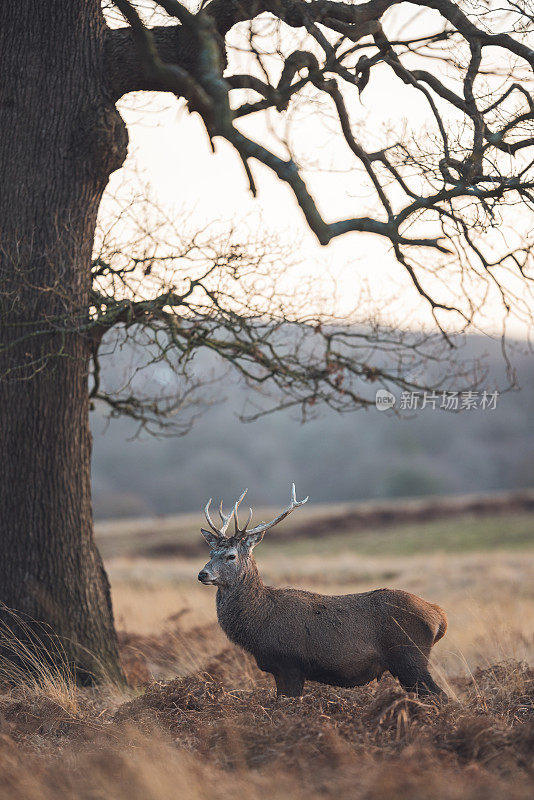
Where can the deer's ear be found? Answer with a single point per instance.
(253, 539)
(211, 538)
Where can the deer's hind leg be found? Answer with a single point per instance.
(289, 683)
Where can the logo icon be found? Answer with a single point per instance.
(384, 400)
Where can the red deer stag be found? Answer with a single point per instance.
(344, 640)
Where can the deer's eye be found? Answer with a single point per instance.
(230, 558)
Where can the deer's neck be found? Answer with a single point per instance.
(249, 586)
(243, 608)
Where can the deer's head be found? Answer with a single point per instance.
(231, 556)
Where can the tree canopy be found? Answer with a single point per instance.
(441, 198)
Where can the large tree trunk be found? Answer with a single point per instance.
(60, 138)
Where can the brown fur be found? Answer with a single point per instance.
(344, 640)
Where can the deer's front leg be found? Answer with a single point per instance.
(289, 683)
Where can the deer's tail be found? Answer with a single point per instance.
(442, 627)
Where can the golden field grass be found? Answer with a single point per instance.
(200, 721)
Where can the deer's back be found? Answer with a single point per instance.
(375, 617)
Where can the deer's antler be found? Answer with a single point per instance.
(264, 526)
(225, 518)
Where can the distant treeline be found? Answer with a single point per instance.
(335, 458)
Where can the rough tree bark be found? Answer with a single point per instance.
(60, 138)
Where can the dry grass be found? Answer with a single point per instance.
(22, 663)
(221, 733)
(217, 730)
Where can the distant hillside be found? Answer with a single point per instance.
(364, 455)
(451, 524)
